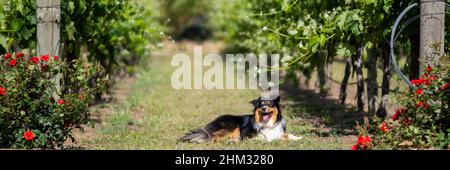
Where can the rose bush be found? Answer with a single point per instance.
(422, 121)
(33, 112)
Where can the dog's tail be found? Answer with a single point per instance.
(196, 136)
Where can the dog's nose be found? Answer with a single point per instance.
(265, 109)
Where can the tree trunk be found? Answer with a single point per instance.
(360, 78)
(381, 112)
(372, 84)
(321, 63)
(347, 72)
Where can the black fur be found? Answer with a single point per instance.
(246, 124)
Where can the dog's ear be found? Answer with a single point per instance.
(277, 100)
(255, 102)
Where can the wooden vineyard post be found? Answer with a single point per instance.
(48, 32)
(432, 23)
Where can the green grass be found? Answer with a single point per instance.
(166, 114)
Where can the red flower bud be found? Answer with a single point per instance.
(397, 114)
(429, 68)
(19, 55)
(445, 86)
(55, 57)
(422, 104)
(355, 147)
(432, 78)
(60, 101)
(383, 127)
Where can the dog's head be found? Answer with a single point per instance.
(266, 111)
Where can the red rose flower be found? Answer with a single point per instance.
(361, 140)
(397, 114)
(419, 91)
(13, 63)
(60, 101)
(55, 57)
(355, 147)
(419, 104)
(28, 135)
(418, 82)
(19, 55)
(429, 68)
(368, 139)
(364, 140)
(7, 56)
(383, 127)
(2, 91)
(34, 60)
(45, 58)
(445, 86)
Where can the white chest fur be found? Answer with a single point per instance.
(271, 133)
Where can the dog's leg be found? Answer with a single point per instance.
(235, 135)
(288, 136)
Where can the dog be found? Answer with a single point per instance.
(266, 123)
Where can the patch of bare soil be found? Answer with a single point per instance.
(117, 94)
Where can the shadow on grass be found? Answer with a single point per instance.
(327, 115)
(75, 148)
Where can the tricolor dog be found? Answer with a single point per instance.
(265, 123)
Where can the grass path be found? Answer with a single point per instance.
(152, 115)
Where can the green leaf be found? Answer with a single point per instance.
(355, 29)
(19, 7)
(70, 29)
(26, 34)
(323, 40)
(345, 50)
(314, 43)
(17, 25)
(80, 77)
(71, 7)
(31, 66)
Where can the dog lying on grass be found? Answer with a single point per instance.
(266, 123)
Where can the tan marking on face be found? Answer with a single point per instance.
(258, 115)
(274, 112)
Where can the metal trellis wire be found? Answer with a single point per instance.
(395, 35)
